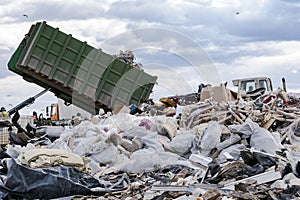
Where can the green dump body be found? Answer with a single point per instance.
(77, 72)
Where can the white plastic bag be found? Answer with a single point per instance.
(211, 137)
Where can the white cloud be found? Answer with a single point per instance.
(91, 30)
(221, 4)
(294, 71)
(275, 59)
(12, 34)
(14, 90)
(170, 41)
(263, 39)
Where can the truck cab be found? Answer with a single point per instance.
(248, 86)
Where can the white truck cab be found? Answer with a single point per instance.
(248, 85)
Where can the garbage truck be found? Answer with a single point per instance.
(78, 73)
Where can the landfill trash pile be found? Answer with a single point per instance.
(210, 150)
(213, 144)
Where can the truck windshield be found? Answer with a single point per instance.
(263, 84)
(248, 86)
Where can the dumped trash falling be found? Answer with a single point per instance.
(210, 150)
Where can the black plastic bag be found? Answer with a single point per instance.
(45, 183)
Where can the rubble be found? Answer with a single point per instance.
(208, 150)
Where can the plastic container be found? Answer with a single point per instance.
(77, 72)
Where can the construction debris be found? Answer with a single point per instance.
(213, 144)
(207, 150)
(154, 151)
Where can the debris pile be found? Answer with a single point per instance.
(213, 144)
(207, 150)
(128, 57)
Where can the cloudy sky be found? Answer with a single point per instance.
(182, 42)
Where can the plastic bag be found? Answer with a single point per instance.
(46, 183)
(147, 160)
(211, 137)
(247, 128)
(262, 140)
(294, 132)
(121, 121)
(103, 152)
(233, 150)
(182, 143)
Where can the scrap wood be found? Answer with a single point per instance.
(274, 103)
(196, 113)
(264, 177)
(290, 109)
(210, 116)
(223, 106)
(222, 121)
(269, 123)
(194, 107)
(246, 112)
(241, 115)
(287, 115)
(236, 116)
(200, 121)
(268, 154)
(184, 188)
(282, 119)
(211, 194)
(213, 113)
(198, 158)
